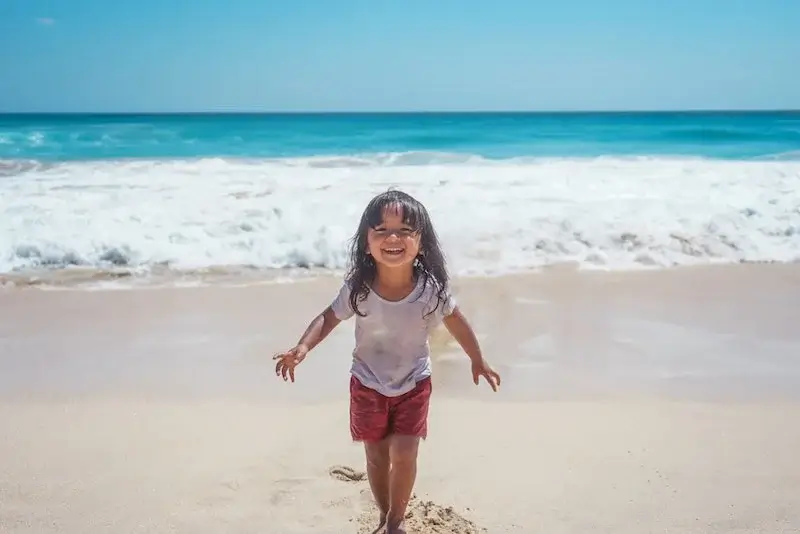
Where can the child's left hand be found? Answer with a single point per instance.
(480, 369)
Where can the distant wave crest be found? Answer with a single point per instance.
(10, 167)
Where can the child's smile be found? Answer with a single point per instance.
(393, 251)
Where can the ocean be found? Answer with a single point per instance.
(182, 197)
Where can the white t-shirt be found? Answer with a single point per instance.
(392, 352)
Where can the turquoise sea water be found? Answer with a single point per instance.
(178, 194)
(744, 135)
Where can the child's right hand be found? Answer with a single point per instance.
(288, 360)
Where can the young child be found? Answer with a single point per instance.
(398, 289)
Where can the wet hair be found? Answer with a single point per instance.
(429, 263)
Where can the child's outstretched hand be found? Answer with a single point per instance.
(288, 360)
(481, 368)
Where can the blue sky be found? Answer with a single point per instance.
(344, 55)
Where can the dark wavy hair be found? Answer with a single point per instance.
(430, 262)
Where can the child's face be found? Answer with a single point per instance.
(393, 243)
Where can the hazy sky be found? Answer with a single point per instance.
(321, 55)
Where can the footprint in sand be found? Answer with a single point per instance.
(427, 517)
(423, 517)
(347, 474)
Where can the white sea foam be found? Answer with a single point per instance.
(492, 216)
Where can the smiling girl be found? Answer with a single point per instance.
(398, 289)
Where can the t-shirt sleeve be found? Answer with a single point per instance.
(443, 308)
(448, 305)
(341, 304)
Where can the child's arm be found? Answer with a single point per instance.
(460, 329)
(317, 330)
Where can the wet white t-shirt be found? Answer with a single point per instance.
(392, 351)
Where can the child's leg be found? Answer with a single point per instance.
(403, 473)
(408, 424)
(378, 474)
(369, 422)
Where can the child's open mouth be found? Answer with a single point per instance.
(393, 251)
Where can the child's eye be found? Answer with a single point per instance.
(403, 232)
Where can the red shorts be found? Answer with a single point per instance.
(374, 416)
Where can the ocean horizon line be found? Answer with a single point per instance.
(688, 111)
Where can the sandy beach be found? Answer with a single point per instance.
(636, 402)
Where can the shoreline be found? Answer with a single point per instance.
(698, 331)
(93, 279)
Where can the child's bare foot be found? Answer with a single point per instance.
(381, 525)
(400, 528)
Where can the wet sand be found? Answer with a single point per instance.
(661, 401)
